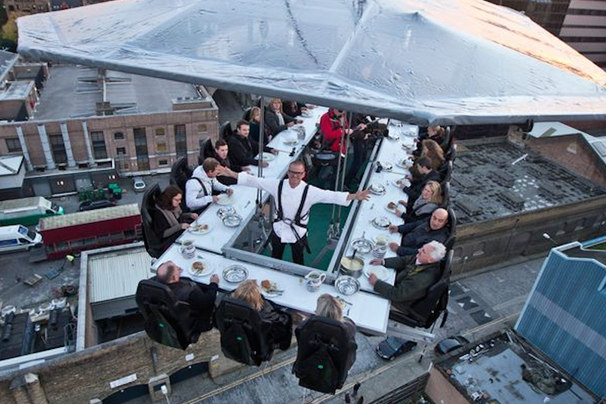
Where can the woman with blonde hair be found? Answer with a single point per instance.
(281, 320)
(275, 119)
(255, 122)
(330, 307)
(430, 200)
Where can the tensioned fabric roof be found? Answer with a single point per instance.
(421, 61)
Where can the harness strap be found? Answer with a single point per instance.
(298, 217)
(201, 184)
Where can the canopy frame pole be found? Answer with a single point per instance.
(261, 219)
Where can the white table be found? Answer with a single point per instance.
(369, 312)
(391, 151)
(244, 197)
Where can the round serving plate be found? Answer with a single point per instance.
(235, 274)
(377, 189)
(362, 245)
(347, 285)
(381, 223)
(232, 220)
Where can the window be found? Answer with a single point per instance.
(141, 148)
(118, 136)
(160, 132)
(99, 149)
(13, 145)
(161, 147)
(58, 149)
(202, 129)
(163, 162)
(121, 150)
(180, 141)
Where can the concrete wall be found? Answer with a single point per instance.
(86, 375)
(483, 244)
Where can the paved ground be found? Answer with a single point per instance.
(16, 268)
(479, 304)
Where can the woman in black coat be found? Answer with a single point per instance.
(168, 220)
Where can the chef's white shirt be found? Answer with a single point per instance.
(291, 199)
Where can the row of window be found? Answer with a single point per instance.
(100, 149)
(70, 245)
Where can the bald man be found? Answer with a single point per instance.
(200, 297)
(416, 234)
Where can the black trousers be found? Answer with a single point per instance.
(277, 248)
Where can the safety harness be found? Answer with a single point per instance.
(298, 217)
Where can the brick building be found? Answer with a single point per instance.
(580, 23)
(90, 121)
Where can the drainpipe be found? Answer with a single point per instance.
(68, 146)
(89, 150)
(28, 162)
(50, 163)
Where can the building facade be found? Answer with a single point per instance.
(579, 23)
(86, 126)
(564, 314)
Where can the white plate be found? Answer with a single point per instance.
(199, 231)
(225, 200)
(274, 291)
(391, 210)
(381, 272)
(387, 167)
(267, 157)
(405, 181)
(208, 269)
(404, 163)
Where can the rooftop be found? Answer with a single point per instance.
(74, 219)
(74, 91)
(498, 179)
(17, 90)
(7, 60)
(492, 371)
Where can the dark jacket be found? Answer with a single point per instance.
(272, 122)
(165, 230)
(281, 324)
(254, 133)
(201, 299)
(417, 234)
(411, 284)
(417, 185)
(242, 151)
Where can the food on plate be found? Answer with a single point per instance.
(352, 264)
(198, 268)
(265, 284)
(391, 205)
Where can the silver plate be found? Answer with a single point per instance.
(235, 274)
(232, 220)
(222, 212)
(347, 285)
(381, 222)
(362, 245)
(377, 189)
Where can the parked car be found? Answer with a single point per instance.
(138, 184)
(99, 204)
(392, 347)
(450, 344)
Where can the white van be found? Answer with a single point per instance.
(13, 238)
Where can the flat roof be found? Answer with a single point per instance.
(74, 91)
(74, 219)
(497, 372)
(7, 60)
(17, 90)
(115, 275)
(22, 203)
(493, 180)
(10, 165)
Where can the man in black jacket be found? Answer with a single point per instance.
(416, 234)
(426, 174)
(242, 149)
(414, 276)
(201, 298)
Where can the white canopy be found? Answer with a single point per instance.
(421, 61)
